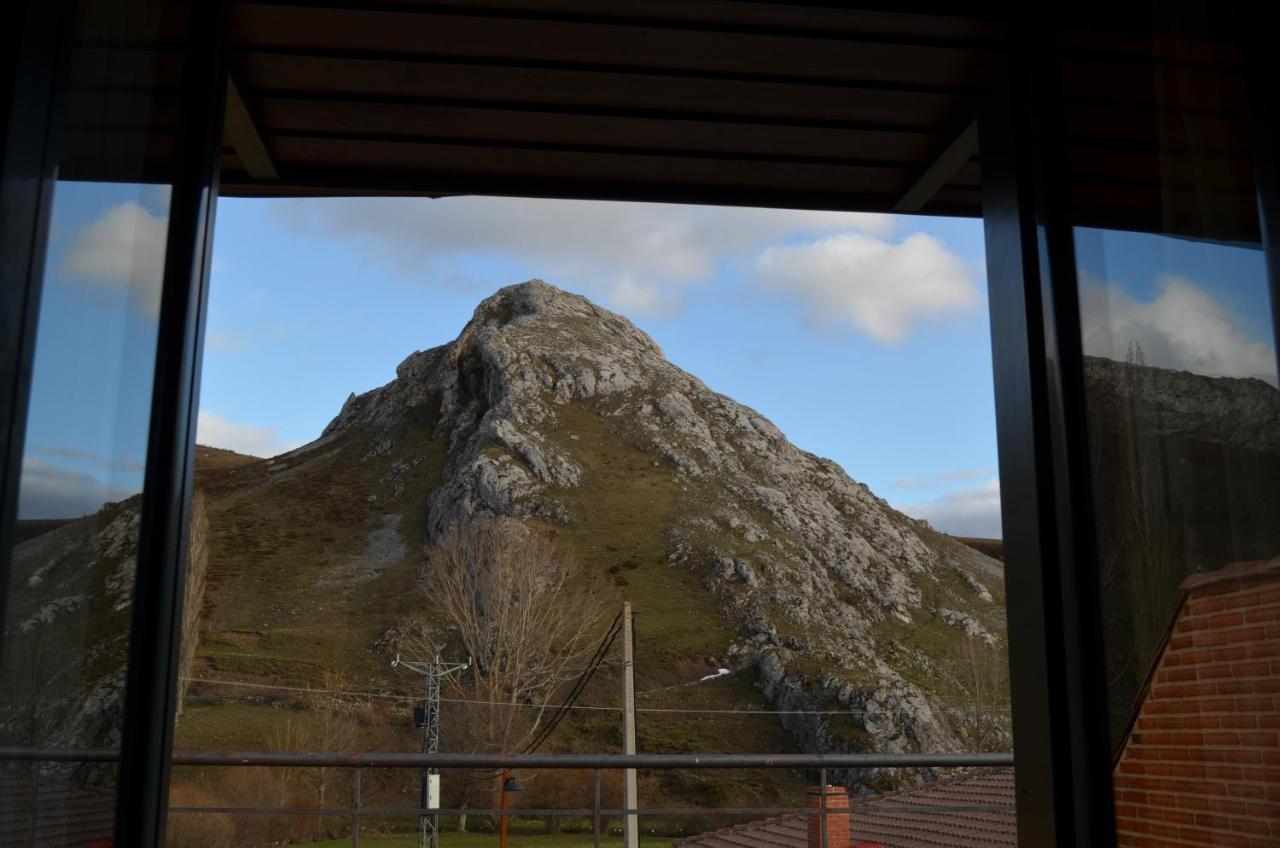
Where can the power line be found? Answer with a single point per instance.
(571, 701)
(584, 707)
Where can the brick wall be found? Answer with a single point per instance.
(837, 817)
(1202, 763)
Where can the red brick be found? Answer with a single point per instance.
(1247, 790)
(1242, 756)
(1192, 802)
(1251, 668)
(1260, 740)
(1263, 811)
(1259, 704)
(1235, 687)
(1261, 775)
(1201, 722)
(1235, 722)
(1261, 614)
(1234, 652)
(1245, 825)
(1245, 598)
(1267, 648)
(1213, 821)
(1193, 656)
(1216, 620)
(1223, 772)
(1226, 807)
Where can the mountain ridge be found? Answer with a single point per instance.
(738, 549)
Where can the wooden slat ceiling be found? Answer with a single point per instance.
(676, 100)
(713, 101)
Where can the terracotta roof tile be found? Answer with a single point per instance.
(66, 814)
(972, 811)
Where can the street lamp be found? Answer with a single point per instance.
(509, 784)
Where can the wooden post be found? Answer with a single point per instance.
(630, 797)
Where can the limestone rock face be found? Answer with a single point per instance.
(765, 560)
(797, 551)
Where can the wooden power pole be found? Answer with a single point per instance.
(630, 797)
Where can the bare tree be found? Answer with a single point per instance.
(193, 594)
(518, 609)
(517, 604)
(984, 678)
(1140, 559)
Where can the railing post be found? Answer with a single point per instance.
(822, 815)
(35, 803)
(595, 810)
(357, 790)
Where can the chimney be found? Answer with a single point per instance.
(837, 800)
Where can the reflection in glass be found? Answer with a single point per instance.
(67, 625)
(1183, 420)
(1184, 425)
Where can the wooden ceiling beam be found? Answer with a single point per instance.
(240, 129)
(958, 153)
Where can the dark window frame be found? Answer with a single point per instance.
(1063, 761)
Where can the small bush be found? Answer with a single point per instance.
(198, 830)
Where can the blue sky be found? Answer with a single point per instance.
(307, 306)
(864, 337)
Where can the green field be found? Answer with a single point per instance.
(490, 840)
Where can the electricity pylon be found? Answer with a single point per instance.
(434, 672)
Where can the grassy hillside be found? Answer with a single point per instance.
(313, 563)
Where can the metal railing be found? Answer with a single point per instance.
(356, 812)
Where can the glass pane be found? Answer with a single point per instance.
(1183, 416)
(67, 624)
(552, 447)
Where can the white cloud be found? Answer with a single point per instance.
(879, 287)
(90, 458)
(121, 252)
(942, 479)
(48, 490)
(1184, 327)
(217, 431)
(973, 511)
(226, 340)
(640, 257)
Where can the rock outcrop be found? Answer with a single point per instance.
(796, 550)
(547, 408)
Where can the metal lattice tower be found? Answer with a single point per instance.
(434, 672)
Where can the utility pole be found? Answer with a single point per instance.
(427, 717)
(630, 797)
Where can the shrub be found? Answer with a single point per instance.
(198, 830)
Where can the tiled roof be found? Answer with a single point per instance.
(67, 815)
(973, 811)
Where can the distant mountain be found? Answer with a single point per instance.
(738, 549)
(1186, 479)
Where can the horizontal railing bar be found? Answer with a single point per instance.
(303, 759)
(60, 755)
(578, 812)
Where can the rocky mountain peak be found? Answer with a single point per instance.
(543, 393)
(738, 549)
